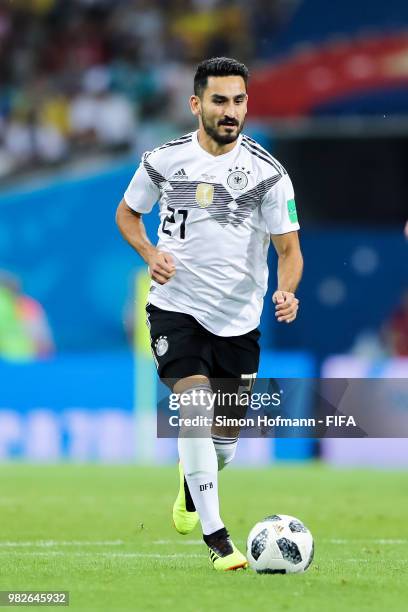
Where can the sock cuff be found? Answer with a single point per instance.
(223, 440)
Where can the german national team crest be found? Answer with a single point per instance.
(204, 195)
(237, 180)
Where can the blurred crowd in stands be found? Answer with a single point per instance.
(90, 76)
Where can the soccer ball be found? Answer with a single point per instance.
(280, 544)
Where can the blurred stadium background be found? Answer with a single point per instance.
(85, 87)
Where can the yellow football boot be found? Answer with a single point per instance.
(184, 520)
(224, 555)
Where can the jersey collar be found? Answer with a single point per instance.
(216, 158)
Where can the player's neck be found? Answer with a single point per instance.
(211, 146)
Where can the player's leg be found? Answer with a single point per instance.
(200, 466)
(236, 366)
(225, 437)
(196, 450)
(230, 360)
(198, 461)
(235, 361)
(177, 353)
(185, 367)
(225, 447)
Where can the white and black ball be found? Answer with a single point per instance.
(280, 544)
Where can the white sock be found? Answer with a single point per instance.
(200, 465)
(225, 449)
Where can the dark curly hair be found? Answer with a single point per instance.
(218, 67)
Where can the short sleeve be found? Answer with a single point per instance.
(279, 208)
(142, 193)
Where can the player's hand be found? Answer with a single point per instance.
(161, 267)
(286, 306)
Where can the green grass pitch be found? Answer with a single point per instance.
(105, 534)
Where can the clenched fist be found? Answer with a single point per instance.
(161, 267)
(286, 306)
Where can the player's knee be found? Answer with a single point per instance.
(184, 385)
(225, 449)
(196, 409)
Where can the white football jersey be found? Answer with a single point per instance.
(216, 217)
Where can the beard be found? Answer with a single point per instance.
(214, 133)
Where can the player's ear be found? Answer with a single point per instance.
(195, 105)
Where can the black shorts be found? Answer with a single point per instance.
(182, 347)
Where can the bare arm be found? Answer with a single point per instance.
(130, 224)
(290, 268)
(290, 262)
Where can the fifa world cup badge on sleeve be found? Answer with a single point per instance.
(292, 211)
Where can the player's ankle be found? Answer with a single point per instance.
(216, 535)
(219, 542)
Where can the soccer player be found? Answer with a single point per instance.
(222, 199)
